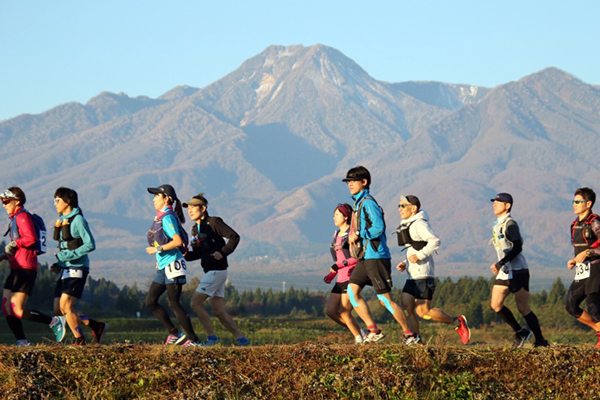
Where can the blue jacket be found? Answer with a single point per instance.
(77, 258)
(377, 229)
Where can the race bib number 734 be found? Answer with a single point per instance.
(176, 269)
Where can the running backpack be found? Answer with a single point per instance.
(39, 227)
(157, 234)
(357, 250)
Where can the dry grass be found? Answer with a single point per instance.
(307, 370)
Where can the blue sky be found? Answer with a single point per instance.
(52, 52)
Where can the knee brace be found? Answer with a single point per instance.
(12, 308)
(352, 297)
(386, 302)
(593, 305)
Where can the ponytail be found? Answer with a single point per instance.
(179, 211)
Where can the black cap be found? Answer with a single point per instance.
(414, 200)
(504, 198)
(167, 190)
(357, 174)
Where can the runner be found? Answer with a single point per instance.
(22, 255)
(338, 306)
(512, 273)
(368, 244)
(585, 232)
(208, 245)
(75, 242)
(416, 235)
(165, 240)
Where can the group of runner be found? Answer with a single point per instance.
(359, 249)
(361, 257)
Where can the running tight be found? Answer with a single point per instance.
(173, 294)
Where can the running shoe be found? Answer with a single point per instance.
(374, 337)
(243, 341)
(522, 336)
(175, 339)
(98, 334)
(212, 342)
(413, 340)
(191, 343)
(58, 325)
(598, 344)
(541, 343)
(23, 343)
(463, 330)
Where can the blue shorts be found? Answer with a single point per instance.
(161, 278)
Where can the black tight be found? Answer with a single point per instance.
(173, 294)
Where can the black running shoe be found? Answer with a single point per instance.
(98, 334)
(541, 343)
(522, 336)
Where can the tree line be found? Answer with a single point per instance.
(468, 295)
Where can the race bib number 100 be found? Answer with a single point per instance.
(582, 271)
(176, 269)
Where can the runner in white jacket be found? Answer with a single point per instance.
(421, 242)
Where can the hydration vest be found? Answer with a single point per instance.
(38, 226)
(62, 234)
(404, 237)
(156, 234)
(357, 250)
(344, 246)
(503, 245)
(583, 236)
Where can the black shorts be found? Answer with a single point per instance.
(21, 281)
(591, 284)
(340, 288)
(520, 280)
(71, 286)
(376, 272)
(421, 289)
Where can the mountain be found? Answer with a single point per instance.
(269, 143)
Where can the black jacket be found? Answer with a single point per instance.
(211, 238)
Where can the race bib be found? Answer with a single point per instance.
(504, 275)
(176, 269)
(72, 273)
(582, 271)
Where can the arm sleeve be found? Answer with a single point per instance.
(377, 224)
(514, 235)
(26, 230)
(225, 231)
(426, 234)
(193, 254)
(79, 228)
(595, 251)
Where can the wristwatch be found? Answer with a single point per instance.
(588, 252)
(159, 249)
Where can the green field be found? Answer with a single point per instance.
(292, 330)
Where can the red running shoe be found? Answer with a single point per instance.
(598, 344)
(463, 330)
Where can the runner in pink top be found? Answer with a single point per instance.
(339, 308)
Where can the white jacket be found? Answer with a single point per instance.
(420, 231)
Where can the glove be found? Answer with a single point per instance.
(329, 277)
(11, 248)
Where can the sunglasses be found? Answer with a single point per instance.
(404, 205)
(6, 201)
(56, 200)
(578, 201)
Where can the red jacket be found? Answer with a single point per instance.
(25, 256)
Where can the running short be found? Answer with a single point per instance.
(421, 289)
(161, 278)
(71, 286)
(340, 288)
(519, 281)
(21, 281)
(376, 272)
(212, 284)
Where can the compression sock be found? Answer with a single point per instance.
(212, 337)
(534, 325)
(36, 316)
(16, 327)
(509, 318)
